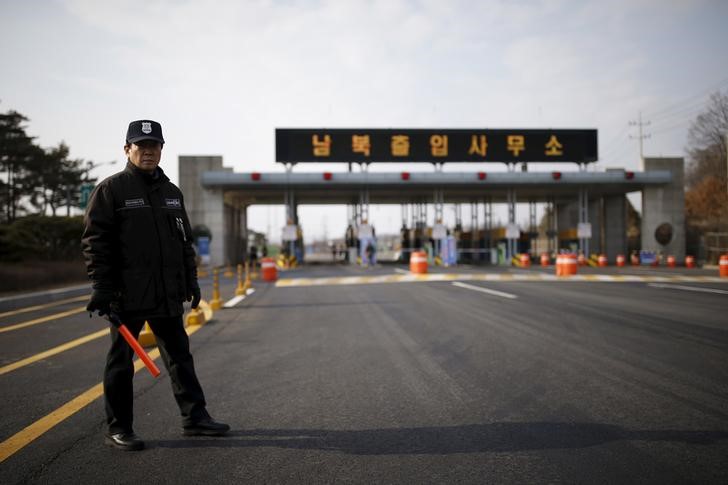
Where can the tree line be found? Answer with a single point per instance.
(706, 175)
(35, 180)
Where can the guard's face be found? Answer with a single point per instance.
(145, 154)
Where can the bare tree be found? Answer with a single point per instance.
(707, 142)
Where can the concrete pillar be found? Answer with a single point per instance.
(190, 170)
(210, 213)
(244, 232)
(595, 219)
(567, 220)
(615, 226)
(204, 206)
(665, 204)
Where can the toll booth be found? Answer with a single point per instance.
(218, 198)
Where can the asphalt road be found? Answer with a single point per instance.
(406, 382)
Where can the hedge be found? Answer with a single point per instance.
(41, 238)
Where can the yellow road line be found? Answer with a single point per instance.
(55, 350)
(47, 305)
(32, 432)
(42, 319)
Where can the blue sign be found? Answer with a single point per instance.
(203, 249)
(648, 257)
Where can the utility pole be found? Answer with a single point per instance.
(639, 124)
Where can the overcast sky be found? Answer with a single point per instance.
(221, 76)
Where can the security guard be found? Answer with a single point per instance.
(139, 256)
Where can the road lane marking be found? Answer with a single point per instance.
(401, 271)
(484, 290)
(23, 296)
(37, 429)
(40, 307)
(20, 440)
(688, 288)
(42, 319)
(55, 350)
(535, 277)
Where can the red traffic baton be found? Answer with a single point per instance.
(149, 363)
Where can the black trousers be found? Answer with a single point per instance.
(174, 347)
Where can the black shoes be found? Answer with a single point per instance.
(206, 427)
(125, 441)
(132, 442)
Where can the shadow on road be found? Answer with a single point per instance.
(474, 438)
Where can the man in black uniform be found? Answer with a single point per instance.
(138, 250)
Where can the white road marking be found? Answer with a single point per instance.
(237, 299)
(689, 288)
(408, 277)
(484, 290)
(401, 271)
(233, 301)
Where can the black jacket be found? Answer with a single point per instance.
(137, 242)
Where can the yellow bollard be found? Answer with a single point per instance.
(216, 302)
(248, 283)
(240, 290)
(195, 317)
(254, 272)
(146, 336)
(228, 272)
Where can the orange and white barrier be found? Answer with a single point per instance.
(671, 261)
(620, 260)
(525, 260)
(689, 261)
(269, 269)
(602, 261)
(418, 262)
(581, 260)
(545, 259)
(723, 266)
(566, 264)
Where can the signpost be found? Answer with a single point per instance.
(369, 145)
(85, 194)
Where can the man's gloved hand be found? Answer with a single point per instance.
(101, 301)
(114, 318)
(193, 293)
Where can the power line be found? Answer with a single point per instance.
(686, 111)
(689, 99)
(671, 128)
(642, 136)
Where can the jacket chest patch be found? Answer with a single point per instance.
(134, 202)
(173, 203)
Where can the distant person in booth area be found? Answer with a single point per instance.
(137, 244)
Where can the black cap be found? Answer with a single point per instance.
(144, 130)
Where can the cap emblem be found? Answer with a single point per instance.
(146, 127)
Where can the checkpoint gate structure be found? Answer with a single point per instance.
(593, 202)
